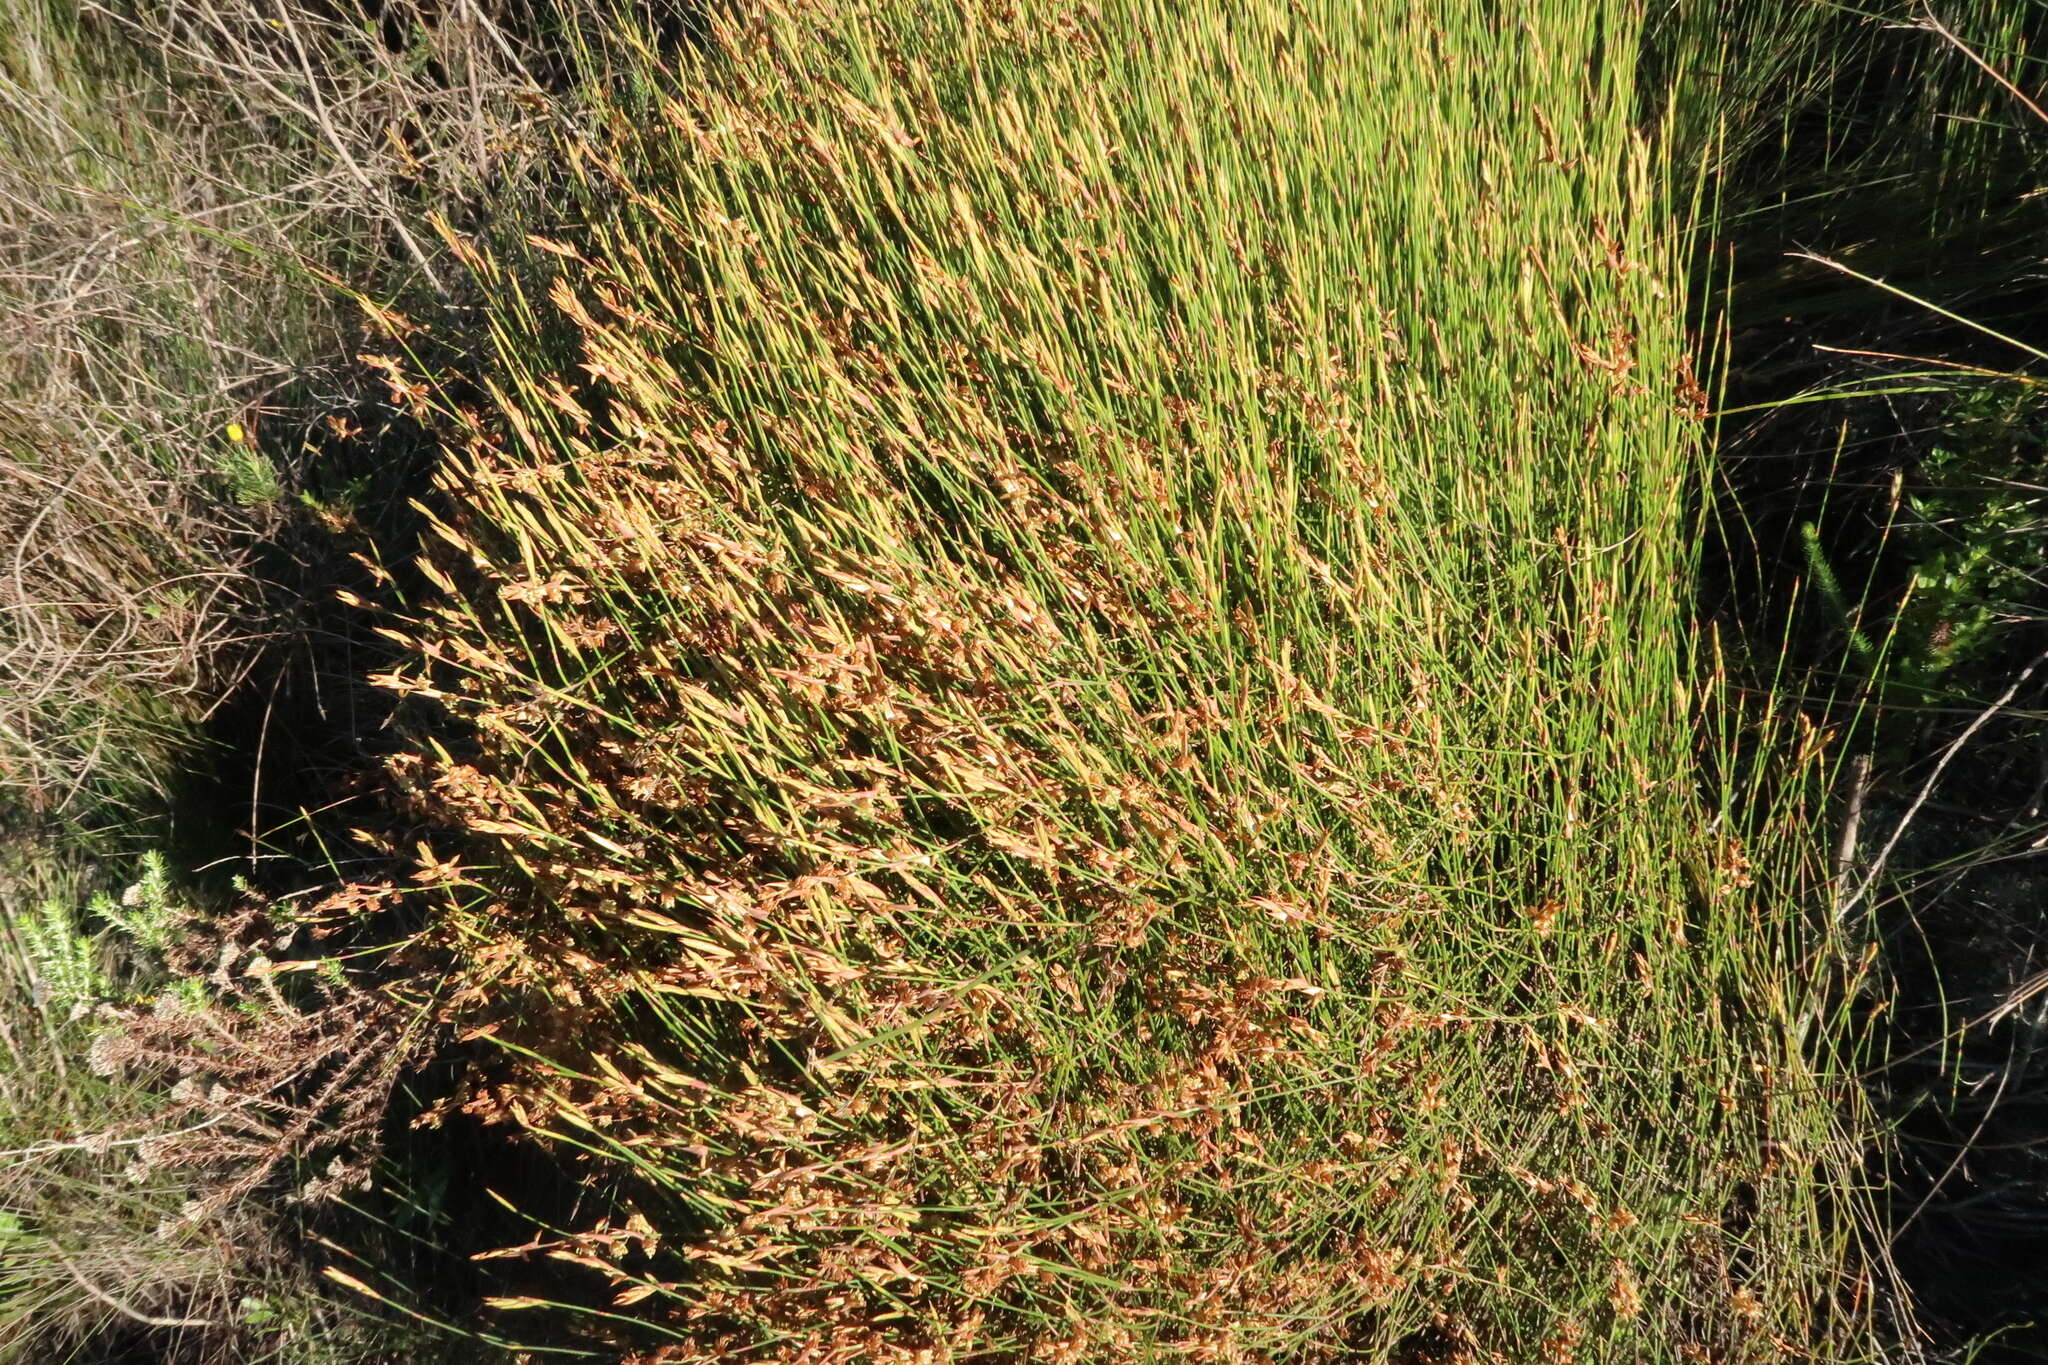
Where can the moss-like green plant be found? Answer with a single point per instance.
(64, 967)
(67, 955)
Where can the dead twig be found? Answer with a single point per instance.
(1948, 756)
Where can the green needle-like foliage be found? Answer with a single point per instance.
(1061, 722)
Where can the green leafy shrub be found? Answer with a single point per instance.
(65, 954)
(63, 961)
(1971, 534)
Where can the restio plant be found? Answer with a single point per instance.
(1056, 719)
(1046, 706)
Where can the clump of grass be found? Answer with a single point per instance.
(136, 339)
(198, 203)
(1065, 717)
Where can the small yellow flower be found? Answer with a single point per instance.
(236, 434)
